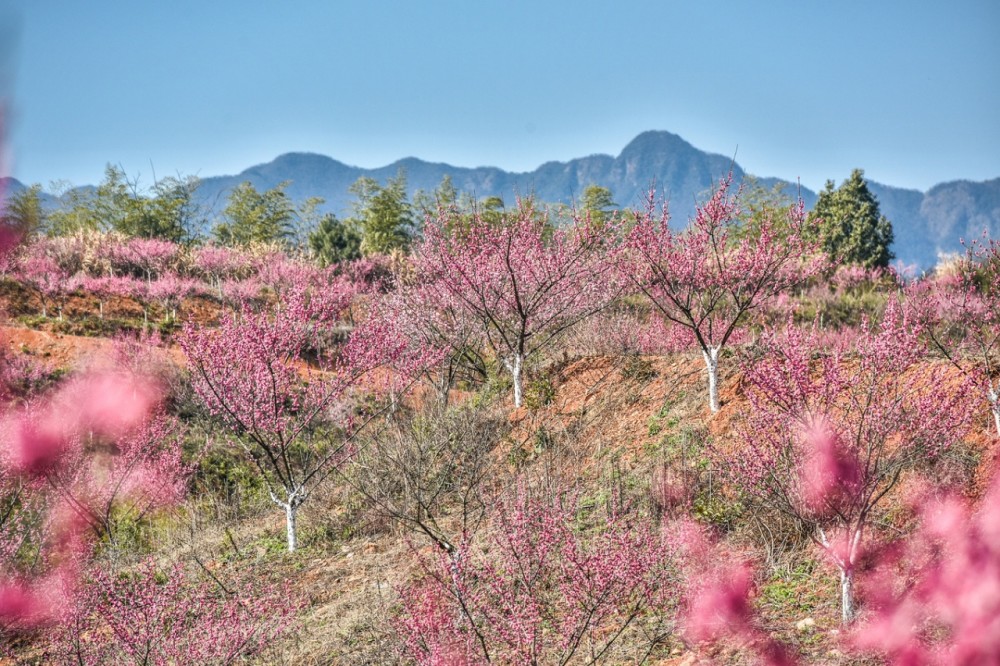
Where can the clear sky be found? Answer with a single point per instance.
(909, 91)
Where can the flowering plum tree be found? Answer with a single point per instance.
(540, 591)
(36, 441)
(429, 320)
(239, 294)
(141, 471)
(525, 282)
(170, 290)
(961, 313)
(935, 597)
(46, 276)
(826, 441)
(217, 263)
(706, 280)
(151, 617)
(294, 429)
(104, 287)
(718, 585)
(147, 258)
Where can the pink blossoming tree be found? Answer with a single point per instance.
(540, 590)
(961, 314)
(151, 617)
(217, 264)
(292, 421)
(935, 596)
(429, 320)
(37, 441)
(138, 473)
(706, 280)
(523, 281)
(827, 439)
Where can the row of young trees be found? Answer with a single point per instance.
(383, 218)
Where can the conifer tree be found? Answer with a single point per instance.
(853, 230)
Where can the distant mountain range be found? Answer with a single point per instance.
(926, 224)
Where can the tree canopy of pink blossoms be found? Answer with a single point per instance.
(148, 258)
(139, 472)
(961, 313)
(934, 596)
(44, 274)
(540, 590)
(430, 321)
(152, 617)
(826, 439)
(706, 280)
(524, 282)
(292, 421)
(170, 290)
(39, 443)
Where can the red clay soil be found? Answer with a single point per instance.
(608, 412)
(64, 351)
(604, 411)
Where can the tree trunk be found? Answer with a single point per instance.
(711, 356)
(847, 595)
(290, 509)
(514, 366)
(443, 388)
(995, 407)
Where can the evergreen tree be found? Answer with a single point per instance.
(334, 241)
(169, 213)
(599, 203)
(23, 211)
(256, 217)
(166, 211)
(852, 230)
(383, 214)
(76, 211)
(426, 204)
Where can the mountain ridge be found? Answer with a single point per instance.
(927, 224)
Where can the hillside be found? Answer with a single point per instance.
(445, 503)
(602, 428)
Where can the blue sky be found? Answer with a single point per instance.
(909, 91)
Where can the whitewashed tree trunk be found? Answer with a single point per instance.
(291, 505)
(847, 595)
(290, 509)
(845, 563)
(514, 366)
(995, 407)
(711, 356)
(443, 386)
